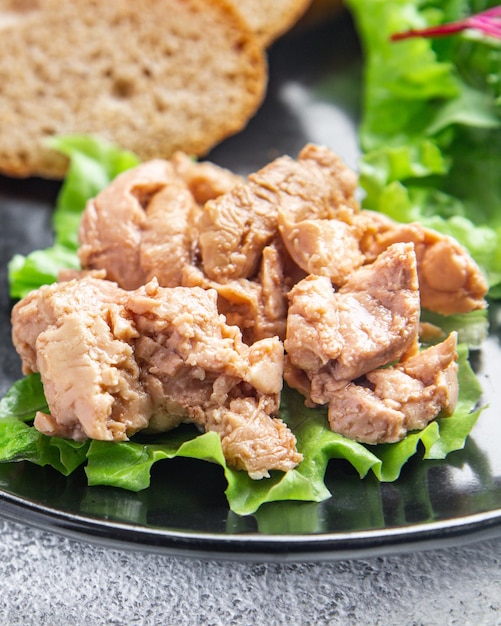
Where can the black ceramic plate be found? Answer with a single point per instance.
(313, 95)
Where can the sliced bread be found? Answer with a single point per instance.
(152, 76)
(269, 20)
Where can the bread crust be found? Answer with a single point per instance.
(269, 20)
(152, 76)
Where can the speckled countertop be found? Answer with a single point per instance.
(46, 579)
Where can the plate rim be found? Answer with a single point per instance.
(252, 546)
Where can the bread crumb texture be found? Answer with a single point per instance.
(152, 76)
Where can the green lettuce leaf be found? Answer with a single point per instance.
(472, 328)
(24, 399)
(21, 442)
(431, 125)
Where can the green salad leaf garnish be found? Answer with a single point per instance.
(431, 127)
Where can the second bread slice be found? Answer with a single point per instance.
(153, 76)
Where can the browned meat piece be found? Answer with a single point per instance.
(344, 180)
(188, 354)
(250, 439)
(335, 337)
(205, 180)
(358, 413)
(66, 274)
(322, 234)
(114, 362)
(169, 235)
(237, 226)
(389, 289)
(181, 330)
(398, 399)
(258, 307)
(313, 336)
(111, 227)
(76, 336)
(449, 279)
(143, 225)
(274, 289)
(323, 247)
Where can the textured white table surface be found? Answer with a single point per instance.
(46, 579)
